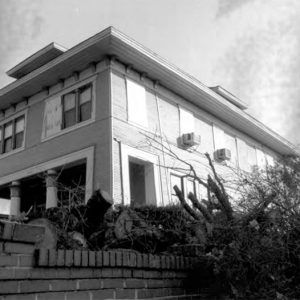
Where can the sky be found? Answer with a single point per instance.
(249, 47)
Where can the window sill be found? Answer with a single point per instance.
(4, 155)
(69, 129)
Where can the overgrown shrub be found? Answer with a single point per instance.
(257, 255)
(149, 229)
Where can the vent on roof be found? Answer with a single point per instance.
(36, 60)
(229, 97)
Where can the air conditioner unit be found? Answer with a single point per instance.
(223, 154)
(190, 139)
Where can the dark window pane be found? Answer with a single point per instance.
(7, 144)
(69, 118)
(85, 111)
(19, 139)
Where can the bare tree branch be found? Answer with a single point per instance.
(180, 196)
(206, 214)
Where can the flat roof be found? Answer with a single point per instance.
(112, 42)
(36, 60)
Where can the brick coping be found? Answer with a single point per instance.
(113, 258)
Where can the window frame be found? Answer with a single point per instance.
(78, 119)
(182, 183)
(138, 123)
(184, 180)
(90, 80)
(13, 120)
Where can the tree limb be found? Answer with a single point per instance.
(180, 196)
(206, 214)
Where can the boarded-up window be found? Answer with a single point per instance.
(152, 113)
(218, 137)
(247, 156)
(230, 143)
(136, 98)
(52, 117)
(67, 110)
(206, 132)
(187, 122)
(169, 120)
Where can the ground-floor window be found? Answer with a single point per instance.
(187, 185)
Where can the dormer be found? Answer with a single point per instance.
(229, 97)
(36, 60)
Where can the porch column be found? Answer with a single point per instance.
(51, 185)
(15, 198)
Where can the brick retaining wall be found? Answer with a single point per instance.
(68, 274)
(28, 273)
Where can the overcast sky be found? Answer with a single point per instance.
(250, 47)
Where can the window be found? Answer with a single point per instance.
(140, 177)
(206, 132)
(136, 102)
(12, 134)
(190, 187)
(186, 185)
(219, 138)
(247, 156)
(77, 106)
(169, 118)
(187, 122)
(85, 103)
(230, 143)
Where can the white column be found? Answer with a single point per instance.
(51, 185)
(15, 198)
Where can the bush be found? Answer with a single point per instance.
(257, 256)
(149, 229)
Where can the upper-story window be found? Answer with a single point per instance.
(12, 134)
(68, 110)
(77, 106)
(206, 132)
(187, 122)
(136, 103)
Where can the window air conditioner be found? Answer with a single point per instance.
(190, 139)
(223, 154)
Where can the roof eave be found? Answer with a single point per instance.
(158, 68)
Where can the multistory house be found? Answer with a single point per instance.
(99, 116)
